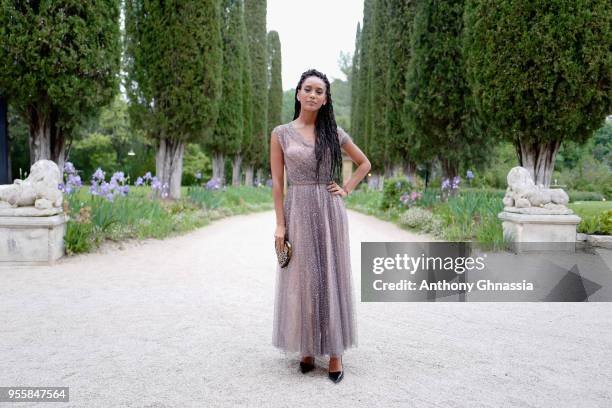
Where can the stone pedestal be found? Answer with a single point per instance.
(31, 240)
(540, 232)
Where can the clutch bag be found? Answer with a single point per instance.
(284, 255)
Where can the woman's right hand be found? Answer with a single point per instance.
(279, 237)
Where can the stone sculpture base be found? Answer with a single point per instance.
(31, 240)
(540, 232)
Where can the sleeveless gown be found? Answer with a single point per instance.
(314, 310)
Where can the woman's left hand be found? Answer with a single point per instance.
(334, 188)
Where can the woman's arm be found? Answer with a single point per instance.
(363, 165)
(277, 167)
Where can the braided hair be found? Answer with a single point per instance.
(326, 130)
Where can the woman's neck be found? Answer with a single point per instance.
(307, 118)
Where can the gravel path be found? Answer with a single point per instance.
(187, 322)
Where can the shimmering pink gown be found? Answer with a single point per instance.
(314, 310)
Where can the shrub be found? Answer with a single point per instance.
(393, 189)
(584, 196)
(421, 219)
(600, 224)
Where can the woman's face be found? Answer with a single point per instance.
(312, 95)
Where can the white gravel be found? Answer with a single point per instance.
(187, 322)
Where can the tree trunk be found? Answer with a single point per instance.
(410, 171)
(388, 172)
(259, 177)
(47, 141)
(236, 169)
(218, 167)
(169, 167)
(248, 175)
(397, 170)
(450, 169)
(539, 159)
(58, 145)
(376, 182)
(40, 136)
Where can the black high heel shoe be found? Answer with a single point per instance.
(336, 376)
(306, 367)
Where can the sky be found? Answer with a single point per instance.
(312, 34)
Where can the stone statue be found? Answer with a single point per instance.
(523, 196)
(39, 189)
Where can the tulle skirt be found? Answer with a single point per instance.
(314, 307)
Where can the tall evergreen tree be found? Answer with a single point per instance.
(363, 109)
(436, 87)
(227, 137)
(400, 25)
(355, 83)
(247, 106)
(174, 62)
(540, 72)
(275, 86)
(256, 156)
(380, 149)
(59, 62)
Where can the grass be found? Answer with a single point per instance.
(596, 216)
(138, 215)
(471, 215)
(590, 208)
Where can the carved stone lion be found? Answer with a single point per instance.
(39, 189)
(523, 196)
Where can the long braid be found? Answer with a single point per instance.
(326, 130)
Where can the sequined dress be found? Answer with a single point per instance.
(314, 310)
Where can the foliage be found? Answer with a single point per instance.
(596, 216)
(195, 162)
(256, 152)
(438, 110)
(19, 151)
(138, 215)
(589, 175)
(393, 189)
(401, 146)
(539, 71)
(600, 224)
(228, 132)
(275, 85)
(587, 208)
(173, 63)
(422, 220)
(114, 125)
(59, 60)
(353, 79)
(96, 150)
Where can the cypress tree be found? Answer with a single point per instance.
(380, 151)
(399, 33)
(59, 64)
(174, 63)
(247, 104)
(227, 137)
(256, 156)
(363, 112)
(275, 87)
(355, 113)
(540, 72)
(436, 87)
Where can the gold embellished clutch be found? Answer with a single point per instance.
(284, 255)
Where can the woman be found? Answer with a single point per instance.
(314, 307)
